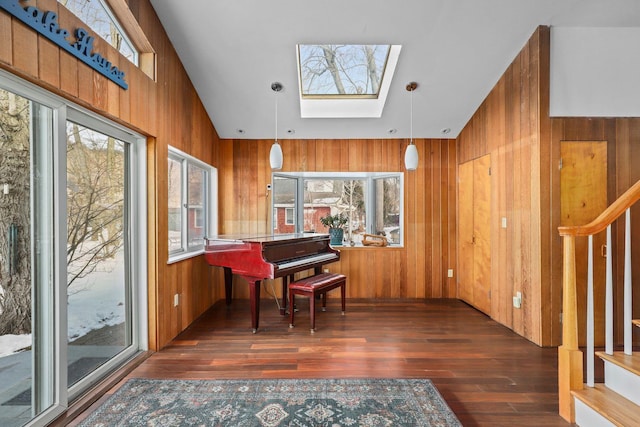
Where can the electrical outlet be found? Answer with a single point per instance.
(176, 300)
(504, 222)
(450, 272)
(517, 300)
(326, 270)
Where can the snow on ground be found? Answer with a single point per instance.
(10, 344)
(95, 301)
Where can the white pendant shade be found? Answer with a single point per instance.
(411, 154)
(411, 157)
(275, 156)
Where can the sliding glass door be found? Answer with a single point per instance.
(72, 259)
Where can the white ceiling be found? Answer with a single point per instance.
(456, 50)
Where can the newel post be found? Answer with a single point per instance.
(569, 357)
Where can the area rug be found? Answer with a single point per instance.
(271, 403)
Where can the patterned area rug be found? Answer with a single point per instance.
(271, 403)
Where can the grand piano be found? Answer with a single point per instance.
(267, 257)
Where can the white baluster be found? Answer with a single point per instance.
(590, 332)
(609, 297)
(628, 307)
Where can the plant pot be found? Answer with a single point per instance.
(335, 236)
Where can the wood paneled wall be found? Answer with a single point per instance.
(167, 111)
(419, 269)
(623, 157)
(512, 125)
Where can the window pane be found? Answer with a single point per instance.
(284, 197)
(334, 196)
(342, 70)
(175, 205)
(99, 316)
(387, 213)
(196, 186)
(96, 15)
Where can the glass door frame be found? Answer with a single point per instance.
(136, 234)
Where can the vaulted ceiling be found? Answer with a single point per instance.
(456, 50)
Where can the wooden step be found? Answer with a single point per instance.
(630, 363)
(615, 408)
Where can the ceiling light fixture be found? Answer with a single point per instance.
(411, 154)
(275, 155)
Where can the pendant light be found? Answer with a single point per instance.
(275, 155)
(411, 154)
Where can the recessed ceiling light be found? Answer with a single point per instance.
(392, 131)
(445, 131)
(291, 131)
(240, 131)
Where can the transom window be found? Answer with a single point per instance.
(372, 202)
(97, 15)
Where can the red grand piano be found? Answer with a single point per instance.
(267, 257)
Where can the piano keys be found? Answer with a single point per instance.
(267, 257)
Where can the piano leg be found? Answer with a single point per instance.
(228, 281)
(254, 288)
(285, 292)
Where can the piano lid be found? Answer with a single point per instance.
(257, 238)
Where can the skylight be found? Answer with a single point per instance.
(342, 70)
(345, 80)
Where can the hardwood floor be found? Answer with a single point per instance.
(488, 375)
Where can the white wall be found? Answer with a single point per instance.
(595, 72)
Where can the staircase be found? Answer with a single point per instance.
(616, 402)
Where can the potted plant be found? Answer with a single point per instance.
(335, 223)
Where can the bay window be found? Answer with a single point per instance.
(372, 201)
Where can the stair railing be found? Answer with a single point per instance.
(570, 361)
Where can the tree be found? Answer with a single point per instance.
(15, 215)
(95, 200)
(342, 69)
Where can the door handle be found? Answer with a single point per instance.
(603, 251)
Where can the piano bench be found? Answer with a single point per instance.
(313, 286)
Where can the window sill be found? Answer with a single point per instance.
(183, 256)
(361, 246)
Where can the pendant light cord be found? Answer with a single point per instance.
(411, 125)
(276, 96)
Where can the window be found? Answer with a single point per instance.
(97, 15)
(371, 201)
(345, 80)
(192, 197)
(289, 216)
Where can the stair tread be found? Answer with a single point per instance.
(630, 363)
(609, 404)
